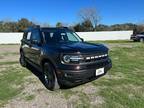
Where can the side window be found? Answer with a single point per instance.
(28, 36)
(35, 36)
(71, 37)
(48, 36)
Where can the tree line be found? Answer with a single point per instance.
(15, 26)
(89, 21)
(87, 26)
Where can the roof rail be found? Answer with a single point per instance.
(62, 27)
(34, 26)
(37, 26)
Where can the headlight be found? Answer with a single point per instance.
(66, 58)
(72, 58)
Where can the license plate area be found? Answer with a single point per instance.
(99, 71)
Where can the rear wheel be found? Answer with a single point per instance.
(142, 40)
(50, 79)
(22, 59)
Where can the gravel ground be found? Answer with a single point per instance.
(9, 53)
(43, 98)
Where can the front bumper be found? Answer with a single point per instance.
(84, 74)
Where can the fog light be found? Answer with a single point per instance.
(65, 75)
(78, 67)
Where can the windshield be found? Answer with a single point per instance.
(61, 36)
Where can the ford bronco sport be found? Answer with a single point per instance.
(63, 58)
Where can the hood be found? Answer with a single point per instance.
(82, 47)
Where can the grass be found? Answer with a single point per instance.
(127, 89)
(29, 97)
(7, 53)
(113, 41)
(10, 83)
(9, 63)
(122, 87)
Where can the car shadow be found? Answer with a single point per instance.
(35, 72)
(39, 75)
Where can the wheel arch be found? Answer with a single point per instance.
(44, 60)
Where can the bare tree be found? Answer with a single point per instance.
(90, 14)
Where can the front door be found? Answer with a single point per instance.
(35, 48)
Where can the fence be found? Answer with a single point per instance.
(14, 38)
(106, 35)
(10, 38)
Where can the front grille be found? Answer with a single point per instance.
(93, 58)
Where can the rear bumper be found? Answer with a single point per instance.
(76, 77)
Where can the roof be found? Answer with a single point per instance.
(46, 28)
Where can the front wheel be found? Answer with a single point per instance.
(50, 79)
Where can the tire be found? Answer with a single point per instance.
(49, 77)
(142, 40)
(22, 59)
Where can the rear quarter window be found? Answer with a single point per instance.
(25, 35)
(28, 36)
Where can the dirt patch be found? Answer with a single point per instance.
(40, 101)
(86, 88)
(10, 58)
(96, 100)
(43, 98)
(9, 49)
(9, 53)
(3, 68)
(90, 89)
(118, 76)
(72, 101)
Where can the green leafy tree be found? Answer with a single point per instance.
(102, 27)
(59, 24)
(78, 28)
(23, 24)
(84, 26)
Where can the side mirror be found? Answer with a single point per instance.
(82, 39)
(36, 42)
